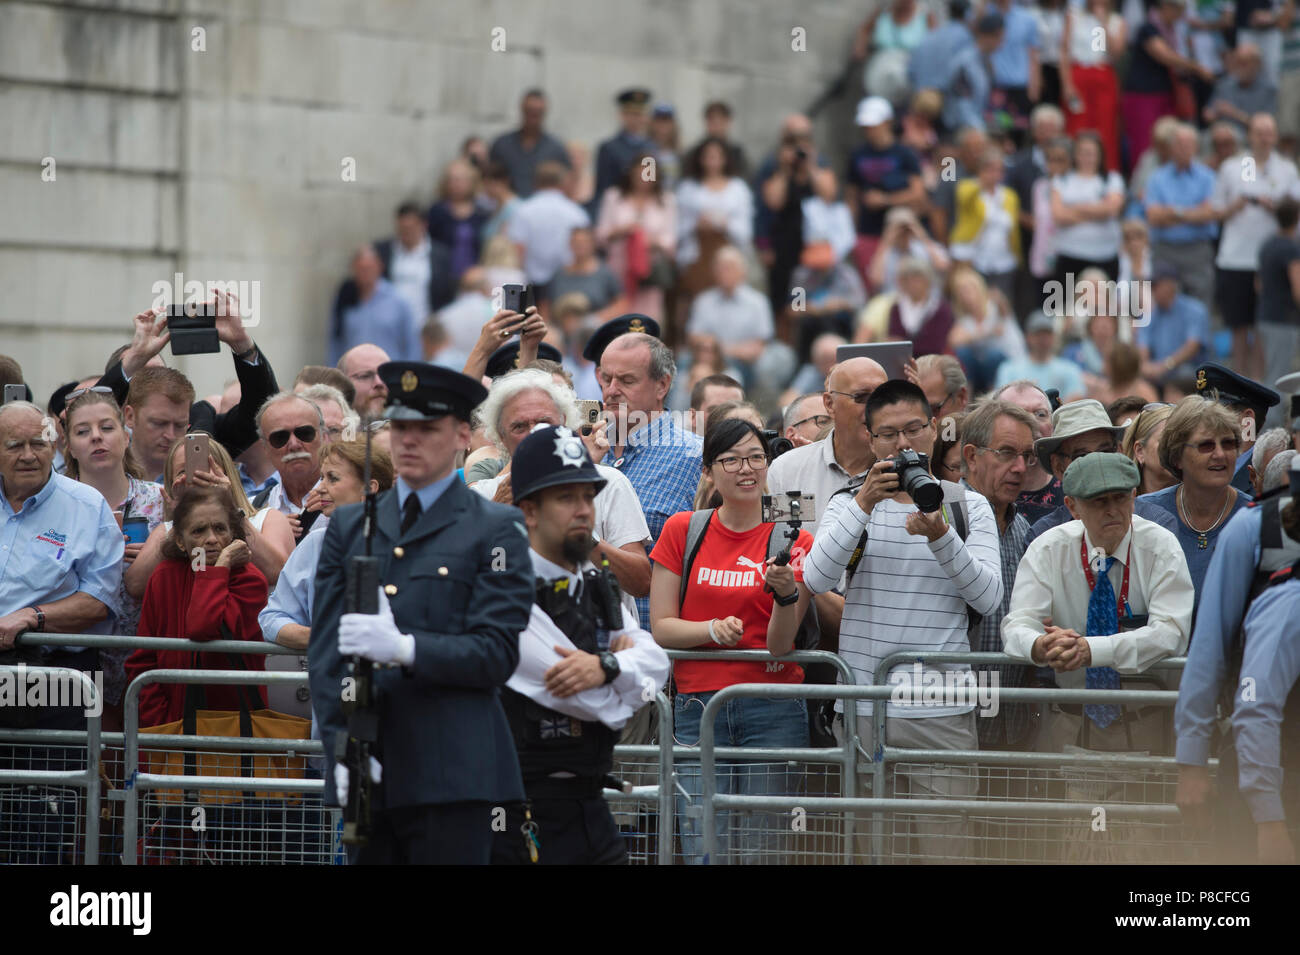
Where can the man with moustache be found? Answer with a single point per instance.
(293, 431)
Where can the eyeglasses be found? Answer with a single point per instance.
(859, 396)
(305, 433)
(1224, 444)
(1109, 449)
(1008, 455)
(757, 462)
(937, 409)
(95, 389)
(364, 376)
(821, 420)
(911, 431)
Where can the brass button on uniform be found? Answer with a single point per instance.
(442, 571)
(399, 552)
(391, 590)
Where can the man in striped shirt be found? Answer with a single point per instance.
(910, 591)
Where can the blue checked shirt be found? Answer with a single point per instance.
(1012, 721)
(1182, 189)
(63, 541)
(664, 463)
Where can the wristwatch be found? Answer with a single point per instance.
(609, 663)
(787, 599)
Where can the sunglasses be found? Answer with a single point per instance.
(1224, 444)
(93, 389)
(305, 433)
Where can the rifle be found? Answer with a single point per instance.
(361, 595)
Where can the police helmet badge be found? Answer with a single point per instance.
(409, 380)
(568, 448)
(1200, 379)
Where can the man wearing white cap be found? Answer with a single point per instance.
(882, 173)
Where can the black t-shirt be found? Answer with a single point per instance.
(1245, 8)
(1145, 75)
(1276, 305)
(889, 170)
(1035, 505)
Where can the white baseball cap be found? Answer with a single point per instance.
(874, 110)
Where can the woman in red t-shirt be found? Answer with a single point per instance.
(728, 606)
(206, 588)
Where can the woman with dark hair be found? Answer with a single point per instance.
(722, 592)
(206, 588)
(714, 208)
(947, 450)
(637, 227)
(1086, 204)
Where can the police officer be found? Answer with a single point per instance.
(1245, 397)
(456, 586)
(618, 152)
(1258, 541)
(585, 666)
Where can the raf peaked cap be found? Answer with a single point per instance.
(506, 358)
(421, 392)
(630, 323)
(1233, 389)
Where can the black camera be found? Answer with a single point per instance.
(801, 154)
(913, 470)
(193, 329)
(776, 445)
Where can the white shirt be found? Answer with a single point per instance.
(410, 271)
(463, 319)
(742, 316)
(732, 206)
(1246, 232)
(908, 593)
(619, 518)
(990, 250)
(541, 224)
(1051, 582)
(811, 469)
(1094, 240)
(643, 668)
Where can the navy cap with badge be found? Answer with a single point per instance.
(1234, 389)
(421, 392)
(506, 358)
(550, 456)
(636, 96)
(631, 323)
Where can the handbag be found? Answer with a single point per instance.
(252, 721)
(1184, 97)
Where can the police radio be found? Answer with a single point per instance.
(355, 749)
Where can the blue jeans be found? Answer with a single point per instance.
(743, 836)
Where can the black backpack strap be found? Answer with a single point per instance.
(694, 538)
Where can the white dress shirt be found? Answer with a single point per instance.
(410, 271)
(1051, 583)
(643, 668)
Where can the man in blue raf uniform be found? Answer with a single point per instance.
(456, 587)
(1242, 396)
(618, 152)
(585, 666)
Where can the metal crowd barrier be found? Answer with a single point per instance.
(29, 809)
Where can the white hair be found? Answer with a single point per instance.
(323, 392)
(509, 387)
(1268, 444)
(1278, 472)
(287, 396)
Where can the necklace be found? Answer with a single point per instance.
(1202, 542)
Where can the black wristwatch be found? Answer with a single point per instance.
(609, 663)
(787, 600)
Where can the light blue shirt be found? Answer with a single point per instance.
(1055, 373)
(1181, 189)
(1170, 329)
(1011, 59)
(1223, 602)
(1272, 660)
(291, 600)
(385, 320)
(63, 541)
(428, 494)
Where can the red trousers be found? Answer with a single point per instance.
(1098, 90)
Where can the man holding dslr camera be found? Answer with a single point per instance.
(912, 575)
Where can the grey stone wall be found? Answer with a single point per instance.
(226, 163)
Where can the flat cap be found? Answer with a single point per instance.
(1096, 474)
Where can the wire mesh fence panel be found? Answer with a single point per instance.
(249, 831)
(42, 824)
(638, 820)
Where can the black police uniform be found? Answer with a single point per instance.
(564, 760)
(460, 581)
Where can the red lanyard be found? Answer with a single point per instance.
(1122, 602)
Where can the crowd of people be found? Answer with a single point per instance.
(1056, 223)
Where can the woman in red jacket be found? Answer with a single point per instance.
(206, 588)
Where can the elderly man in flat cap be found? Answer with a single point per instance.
(1105, 594)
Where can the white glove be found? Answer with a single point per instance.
(375, 636)
(342, 776)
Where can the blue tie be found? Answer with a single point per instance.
(1103, 620)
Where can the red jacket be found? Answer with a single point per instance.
(180, 602)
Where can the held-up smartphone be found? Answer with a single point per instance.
(193, 329)
(136, 530)
(517, 298)
(15, 393)
(791, 506)
(196, 454)
(589, 414)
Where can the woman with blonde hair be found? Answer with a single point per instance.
(1142, 445)
(985, 333)
(267, 532)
